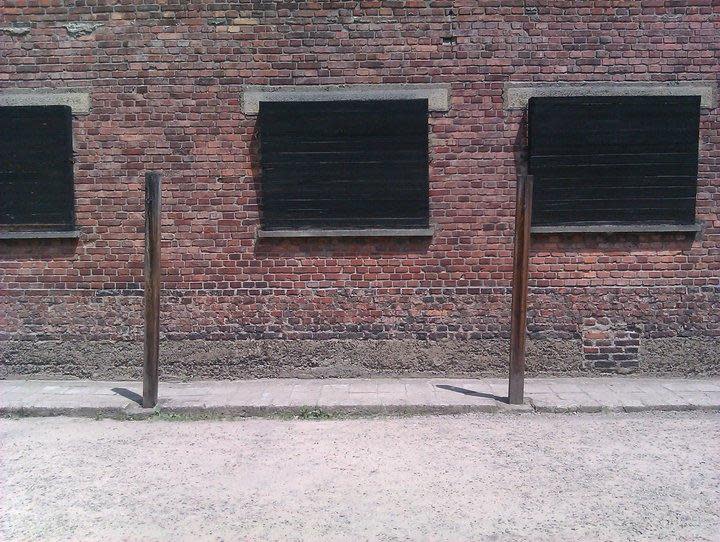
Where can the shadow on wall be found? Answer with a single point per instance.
(520, 147)
(616, 244)
(255, 169)
(38, 249)
(342, 247)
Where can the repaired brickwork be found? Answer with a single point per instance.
(17, 29)
(81, 29)
(610, 345)
(165, 82)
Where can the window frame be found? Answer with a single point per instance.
(271, 228)
(638, 225)
(67, 228)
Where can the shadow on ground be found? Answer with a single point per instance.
(129, 395)
(472, 393)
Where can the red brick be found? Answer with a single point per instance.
(165, 87)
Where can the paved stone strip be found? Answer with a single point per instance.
(358, 396)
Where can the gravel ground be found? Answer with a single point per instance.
(650, 476)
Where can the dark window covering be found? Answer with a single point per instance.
(36, 173)
(614, 159)
(346, 164)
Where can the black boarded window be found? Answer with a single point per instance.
(36, 174)
(344, 164)
(614, 159)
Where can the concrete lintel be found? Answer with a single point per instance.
(517, 94)
(367, 232)
(437, 95)
(78, 100)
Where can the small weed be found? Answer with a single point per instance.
(313, 414)
(159, 414)
(164, 416)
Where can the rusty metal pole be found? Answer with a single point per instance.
(521, 251)
(152, 289)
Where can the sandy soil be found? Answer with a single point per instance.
(474, 477)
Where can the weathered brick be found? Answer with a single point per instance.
(165, 83)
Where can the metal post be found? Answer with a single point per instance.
(152, 289)
(521, 250)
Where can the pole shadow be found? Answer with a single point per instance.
(472, 393)
(124, 392)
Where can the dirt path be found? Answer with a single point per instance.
(474, 477)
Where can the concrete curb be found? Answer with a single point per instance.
(135, 412)
(597, 409)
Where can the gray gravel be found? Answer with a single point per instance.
(532, 477)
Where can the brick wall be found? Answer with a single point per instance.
(165, 81)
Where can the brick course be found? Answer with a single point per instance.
(165, 80)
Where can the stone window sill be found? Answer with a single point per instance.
(70, 234)
(364, 232)
(619, 228)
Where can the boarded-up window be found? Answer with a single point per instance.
(36, 177)
(614, 159)
(344, 164)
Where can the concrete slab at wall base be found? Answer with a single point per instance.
(201, 359)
